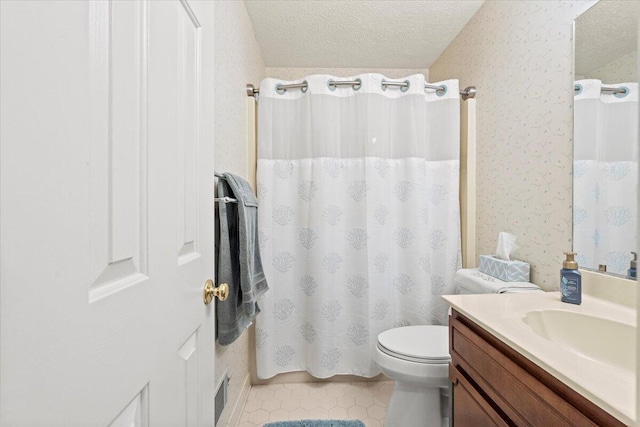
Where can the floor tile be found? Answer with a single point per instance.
(366, 401)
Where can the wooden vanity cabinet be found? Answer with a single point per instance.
(494, 385)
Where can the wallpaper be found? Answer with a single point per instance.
(519, 56)
(238, 62)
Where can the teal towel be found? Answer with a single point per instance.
(317, 423)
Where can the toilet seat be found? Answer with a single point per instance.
(427, 344)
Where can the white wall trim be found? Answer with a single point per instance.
(236, 412)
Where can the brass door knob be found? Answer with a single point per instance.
(210, 291)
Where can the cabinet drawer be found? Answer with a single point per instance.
(528, 395)
(469, 407)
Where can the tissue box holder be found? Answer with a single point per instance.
(508, 271)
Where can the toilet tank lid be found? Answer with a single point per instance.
(429, 342)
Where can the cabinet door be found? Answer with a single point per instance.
(469, 408)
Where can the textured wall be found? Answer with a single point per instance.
(623, 69)
(238, 62)
(519, 56)
(297, 73)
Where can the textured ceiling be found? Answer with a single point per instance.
(357, 34)
(604, 33)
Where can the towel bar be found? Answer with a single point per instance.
(225, 200)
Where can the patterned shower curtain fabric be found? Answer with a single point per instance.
(359, 218)
(605, 175)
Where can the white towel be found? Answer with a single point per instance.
(469, 280)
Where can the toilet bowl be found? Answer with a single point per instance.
(417, 359)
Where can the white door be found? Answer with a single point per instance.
(106, 213)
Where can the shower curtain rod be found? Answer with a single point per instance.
(469, 92)
(605, 89)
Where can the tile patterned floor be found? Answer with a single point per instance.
(366, 401)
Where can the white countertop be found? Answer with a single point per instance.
(609, 387)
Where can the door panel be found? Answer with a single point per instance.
(189, 380)
(106, 213)
(188, 116)
(136, 414)
(118, 145)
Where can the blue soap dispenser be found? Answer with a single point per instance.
(633, 269)
(570, 280)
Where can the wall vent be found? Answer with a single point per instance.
(221, 397)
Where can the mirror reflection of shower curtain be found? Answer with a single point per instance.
(359, 218)
(605, 175)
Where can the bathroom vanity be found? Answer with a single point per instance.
(518, 360)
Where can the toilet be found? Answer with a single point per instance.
(417, 359)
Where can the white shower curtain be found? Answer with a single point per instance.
(359, 218)
(605, 175)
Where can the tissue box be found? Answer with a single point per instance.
(508, 271)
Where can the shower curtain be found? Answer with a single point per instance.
(359, 217)
(605, 175)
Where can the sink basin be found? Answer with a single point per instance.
(595, 338)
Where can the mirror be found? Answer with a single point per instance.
(605, 169)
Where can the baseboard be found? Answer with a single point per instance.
(236, 413)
